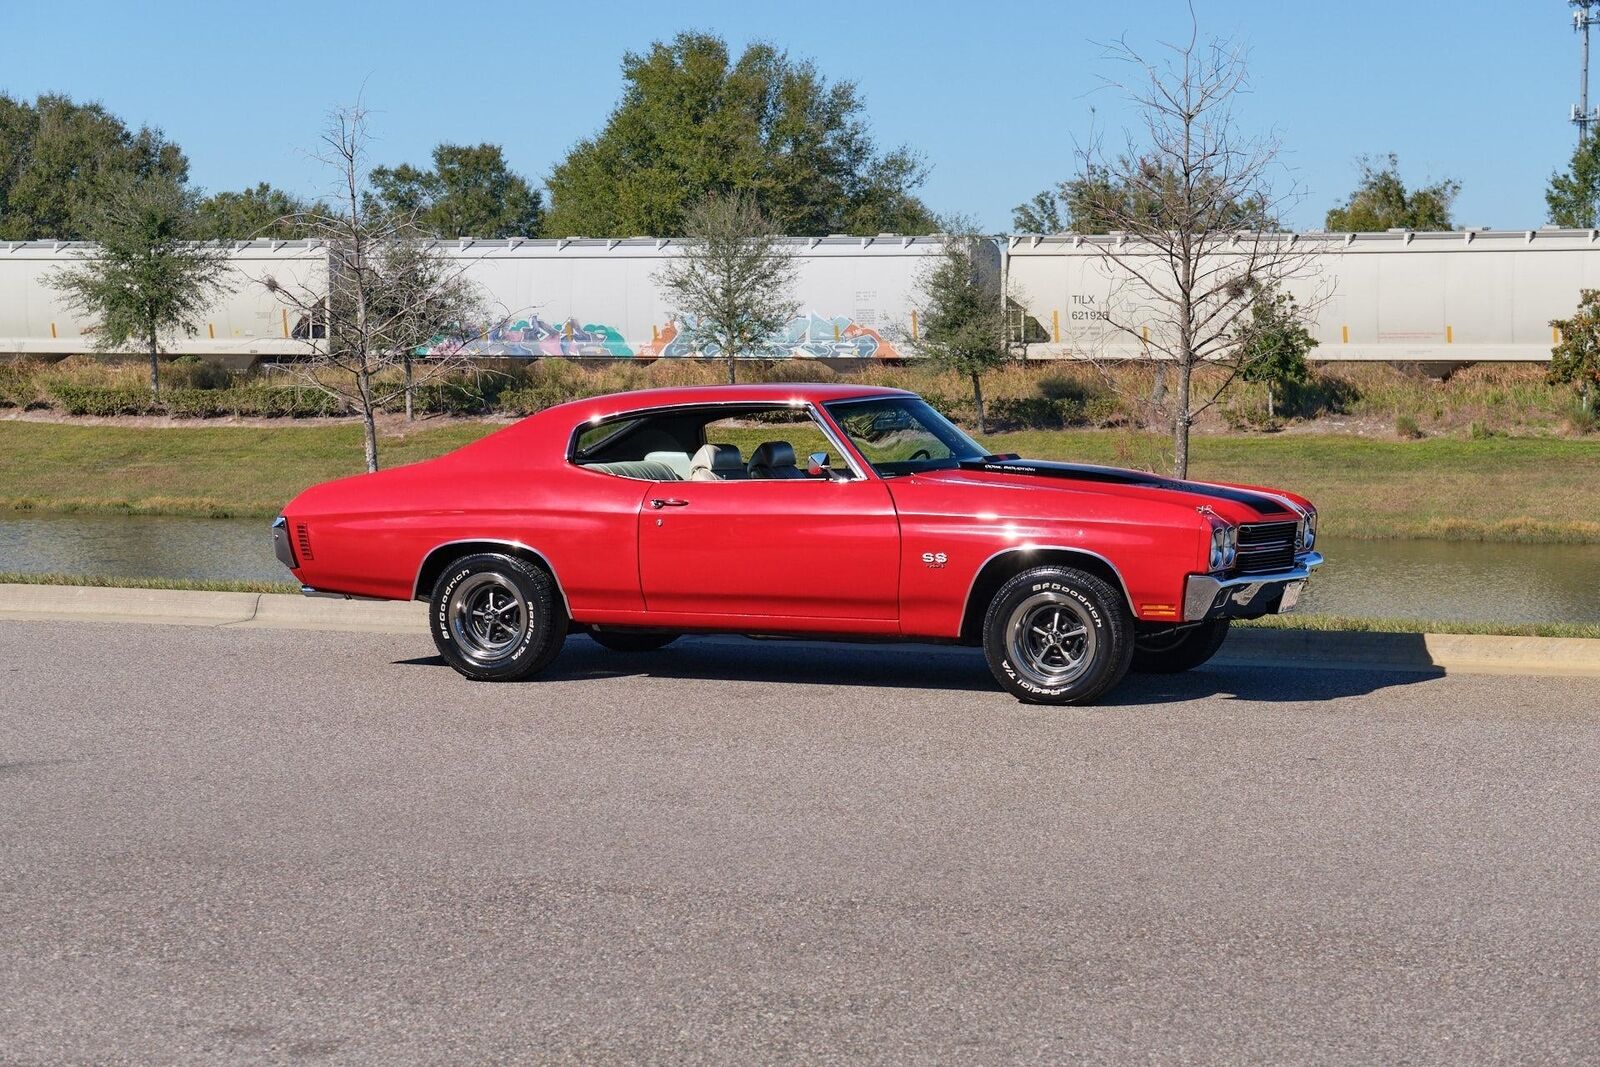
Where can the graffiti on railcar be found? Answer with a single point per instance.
(814, 336)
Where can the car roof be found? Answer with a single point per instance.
(775, 393)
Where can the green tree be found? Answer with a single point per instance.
(261, 212)
(58, 160)
(470, 192)
(730, 286)
(146, 279)
(1271, 345)
(1102, 200)
(963, 315)
(1576, 358)
(692, 122)
(1573, 196)
(1381, 201)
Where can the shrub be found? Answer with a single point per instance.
(1105, 410)
(1251, 415)
(1061, 386)
(1582, 418)
(1406, 426)
(91, 400)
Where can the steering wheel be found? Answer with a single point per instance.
(921, 453)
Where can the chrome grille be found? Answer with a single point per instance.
(1267, 547)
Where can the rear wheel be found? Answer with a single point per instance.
(1174, 649)
(1058, 635)
(497, 618)
(631, 641)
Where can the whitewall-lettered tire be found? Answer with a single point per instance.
(497, 618)
(1058, 635)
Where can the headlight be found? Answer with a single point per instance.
(1224, 546)
(1311, 529)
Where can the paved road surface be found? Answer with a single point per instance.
(221, 846)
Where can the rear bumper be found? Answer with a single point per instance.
(1248, 596)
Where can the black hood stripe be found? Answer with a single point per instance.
(1084, 472)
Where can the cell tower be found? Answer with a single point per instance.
(1585, 13)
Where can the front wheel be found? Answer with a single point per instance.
(497, 618)
(1175, 649)
(1058, 635)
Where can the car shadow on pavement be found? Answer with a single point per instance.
(1278, 683)
(909, 666)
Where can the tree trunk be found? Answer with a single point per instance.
(409, 415)
(1272, 411)
(155, 364)
(977, 400)
(368, 418)
(1180, 421)
(733, 378)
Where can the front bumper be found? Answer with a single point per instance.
(1248, 596)
(280, 543)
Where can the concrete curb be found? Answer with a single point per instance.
(1426, 653)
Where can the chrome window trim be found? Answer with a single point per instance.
(966, 603)
(416, 583)
(812, 409)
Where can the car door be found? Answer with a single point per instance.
(799, 548)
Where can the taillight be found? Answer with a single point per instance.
(302, 540)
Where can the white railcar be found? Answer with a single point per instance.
(1462, 296)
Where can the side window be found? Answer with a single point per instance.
(781, 434)
(651, 448)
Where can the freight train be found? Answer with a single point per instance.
(1402, 297)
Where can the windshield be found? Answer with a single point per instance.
(903, 435)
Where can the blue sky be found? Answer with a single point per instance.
(995, 95)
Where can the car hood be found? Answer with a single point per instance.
(1239, 504)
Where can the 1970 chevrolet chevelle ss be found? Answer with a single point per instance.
(641, 516)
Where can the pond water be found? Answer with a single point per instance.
(1461, 581)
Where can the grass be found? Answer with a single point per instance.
(1330, 623)
(207, 471)
(1543, 490)
(1540, 490)
(1347, 624)
(96, 581)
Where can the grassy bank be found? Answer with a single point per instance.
(1495, 489)
(1274, 622)
(1340, 397)
(95, 581)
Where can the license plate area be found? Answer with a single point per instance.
(1291, 595)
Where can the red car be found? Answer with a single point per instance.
(637, 517)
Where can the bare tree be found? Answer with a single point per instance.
(391, 313)
(1192, 213)
(732, 282)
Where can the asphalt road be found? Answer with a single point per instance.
(267, 846)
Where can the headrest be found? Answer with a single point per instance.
(717, 458)
(773, 454)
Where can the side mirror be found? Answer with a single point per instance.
(817, 465)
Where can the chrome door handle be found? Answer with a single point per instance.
(671, 502)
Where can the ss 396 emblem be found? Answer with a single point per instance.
(934, 559)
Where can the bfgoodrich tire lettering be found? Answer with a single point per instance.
(1057, 635)
(496, 618)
